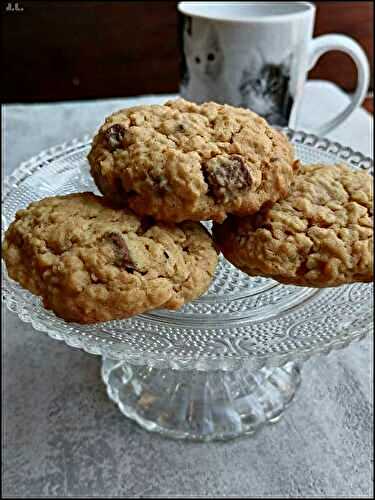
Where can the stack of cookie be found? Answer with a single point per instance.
(162, 169)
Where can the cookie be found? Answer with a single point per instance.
(184, 161)
(321, 235)
(91, 262)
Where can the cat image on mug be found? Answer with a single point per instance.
(260, 86)
(205, 59)
(264, 88)
(257, 55)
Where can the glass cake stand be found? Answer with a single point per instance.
(223, 365)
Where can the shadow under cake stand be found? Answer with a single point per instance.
(223, 365)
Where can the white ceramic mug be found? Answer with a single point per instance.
(257, 55)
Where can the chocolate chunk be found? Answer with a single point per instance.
(115, 135)
(123, 258)
(226, 177)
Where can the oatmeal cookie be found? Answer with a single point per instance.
(91, 262)
(320, 235)
(184, 161)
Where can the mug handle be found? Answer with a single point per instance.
(325, 43)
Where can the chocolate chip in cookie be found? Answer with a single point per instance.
(121, 250)
(115, 135)
(227, 176)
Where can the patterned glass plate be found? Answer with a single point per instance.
(240, 321)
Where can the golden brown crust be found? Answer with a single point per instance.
(184, 161)
(320, 235)
(91, 262)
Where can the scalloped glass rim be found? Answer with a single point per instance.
(316, 322)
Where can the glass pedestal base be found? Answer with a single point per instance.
(238, 320)
(197, 405)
